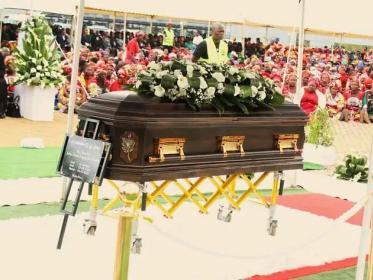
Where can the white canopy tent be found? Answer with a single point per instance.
(325, 17)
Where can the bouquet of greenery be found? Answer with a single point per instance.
(318, 131)
(223, 87)
(38, 62)
(354, 168)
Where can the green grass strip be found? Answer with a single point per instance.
(340, 274)
(312, 166)
(16, 163)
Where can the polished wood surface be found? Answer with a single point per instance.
(149, 120)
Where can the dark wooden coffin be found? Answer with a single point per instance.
(154, 140)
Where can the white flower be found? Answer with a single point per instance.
(202, 83)
(160, 74)
(218, 76)
(220, 86)
(202, 70)
(33, 60)
(233, 70)
(237, 90)
(138, 84)
(159, 91)
(261, 95)
(210, 93)
(254, 90)
(145, 73)
(190, 70)
(154, 66)
(182, 82)
(33, 70)
(182, 92)
(178, 73)
(39, 67)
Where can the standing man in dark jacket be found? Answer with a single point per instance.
(3, 88)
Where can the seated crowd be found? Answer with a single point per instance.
(341, 82)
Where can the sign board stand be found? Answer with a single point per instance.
(84, 160)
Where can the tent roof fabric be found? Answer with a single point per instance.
(323, 17)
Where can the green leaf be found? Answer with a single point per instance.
(194, 82)
(229, 90)
(212, 82)
(264, 105)
(191, 105)
(247, 91)
(168, 81)
(278, 99)
(241, 106)
(224, 100)
(218, 106)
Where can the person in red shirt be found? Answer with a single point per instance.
(311, 98)
(117, 84)
(133, 48)
(343, 77)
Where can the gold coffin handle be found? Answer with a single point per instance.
(168, 146)
(287, 141)
(231, 144)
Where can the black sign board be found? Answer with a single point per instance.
(81, 158)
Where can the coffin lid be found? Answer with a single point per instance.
(130, 104)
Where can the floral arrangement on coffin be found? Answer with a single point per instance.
(38, 63)
(223, 87)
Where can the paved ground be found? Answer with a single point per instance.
(13, 130)
(352, 137)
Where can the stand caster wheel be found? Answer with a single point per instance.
(90, 227)
(225, 215)
(272, 227)
(136, 246)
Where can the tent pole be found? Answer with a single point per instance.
(73, 28)
(288, 58)
(243, 40)
(114, 21)
(74, 76)
(300, 54)
(267, 35)
(74, 73)
(181, 28)
(1, 26)
(124, 31)
(333, 42)
(365, 228)
(151, 25)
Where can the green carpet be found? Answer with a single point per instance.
(16, 163)
(53, 208)
(341, 274)
(41, 209)
(312, 166)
